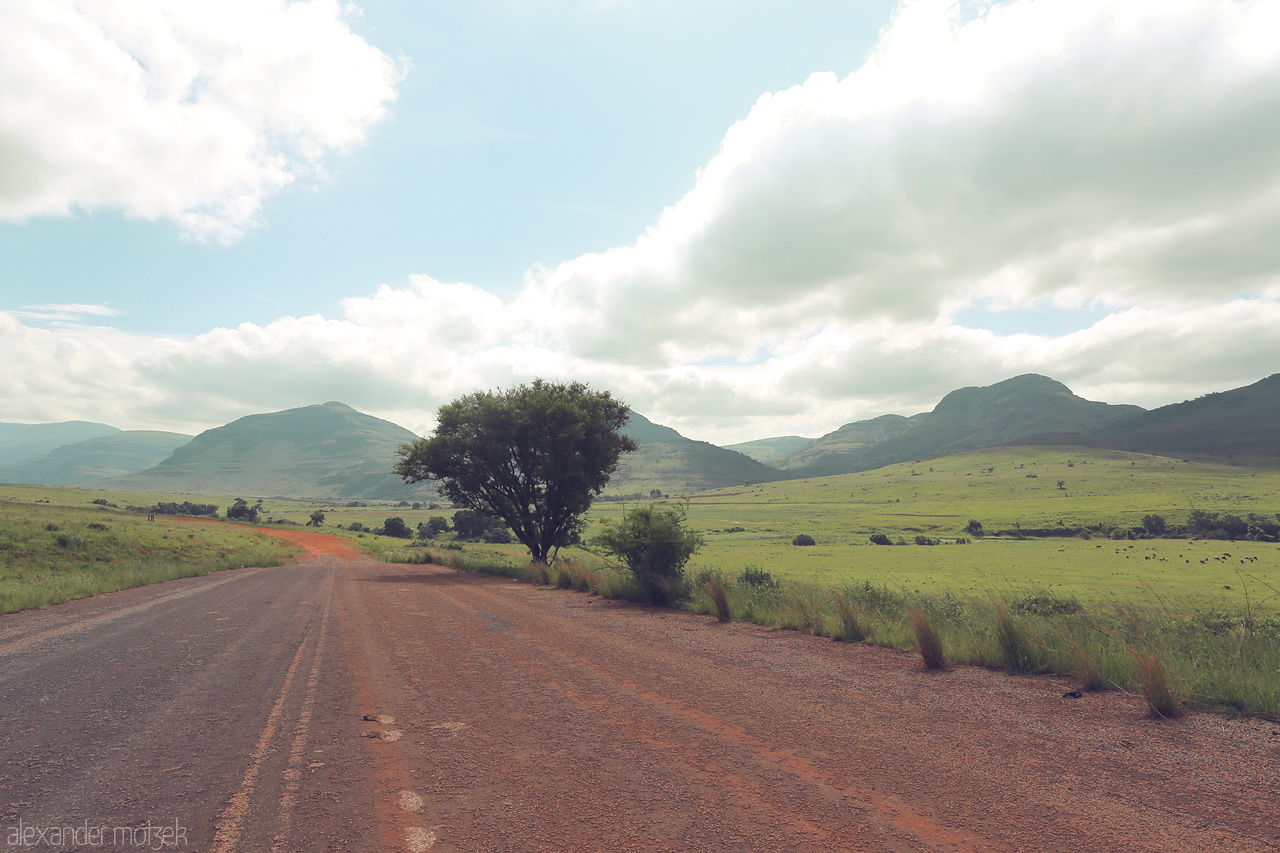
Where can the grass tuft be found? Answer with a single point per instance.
(719, 595)
(1154, 686)
(852, 629)
(928, 642)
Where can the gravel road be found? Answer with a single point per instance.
(348, 705)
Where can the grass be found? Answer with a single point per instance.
(928, 641)
(56, 545)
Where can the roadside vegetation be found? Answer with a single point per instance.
(59, 544)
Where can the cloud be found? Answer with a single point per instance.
(1036, 153)
(65, 312)
(1062, 150)
(189, 112)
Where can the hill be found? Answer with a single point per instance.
(835, 451)
(24, 442)
(673, 464)
(1243, 422)
(321, 451)
(115, 455)
(965, 419)
(767, 449)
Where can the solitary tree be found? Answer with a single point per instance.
(317, 518)
(532, 455)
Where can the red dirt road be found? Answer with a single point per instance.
(507, 717)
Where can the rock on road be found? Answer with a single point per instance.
(344, 704)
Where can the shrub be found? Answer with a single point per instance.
(655, 544)
(1045, 603)
(880, 539)
(921, 539)
(397, 528)
(757, 577)
(803, 539)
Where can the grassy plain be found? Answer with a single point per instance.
(57, 545)
(755, 525)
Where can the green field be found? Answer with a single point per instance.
(1004, 489)
(57, 545)
(937, 498)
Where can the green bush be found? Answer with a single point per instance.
(803, 539)
(655, 544)
(758, 577)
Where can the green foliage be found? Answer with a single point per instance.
(317, 518)
(655, 544)
(880, 539)
(757, 577)
(974, 527)
(241, 510)
(397, 528)
(803, 539)
(532, 455)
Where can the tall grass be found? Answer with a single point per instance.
(719, 596)
(1174, 654)
(928, 641)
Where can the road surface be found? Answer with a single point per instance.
(348, 705)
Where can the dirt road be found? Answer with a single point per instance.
(231, 711)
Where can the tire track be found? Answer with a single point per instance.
(231, 822)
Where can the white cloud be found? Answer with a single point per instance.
(191, 112)
(1077, 150)
(1060, 153)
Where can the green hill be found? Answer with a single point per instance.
(1243, 423)
(24, 442)
(114, 455)
(768, 449)
(836, 451)
(965, 419)
(321, 451)
(675, 465)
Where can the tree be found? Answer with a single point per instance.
(397, 528)
(471, 523)
(655, 544)
(317, 518)
(532, 455)
(803, 539)
(974, 527)
(1154, 525)
(241, 509)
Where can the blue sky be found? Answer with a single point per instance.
(745, 219)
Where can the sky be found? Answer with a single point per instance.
(744, 218)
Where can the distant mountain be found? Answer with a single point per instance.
(836, 451)
(767, 449)
(965, 419)
(114, 455)
(675, 465)
(1242, 422)
(321, 451)
(23, 442)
